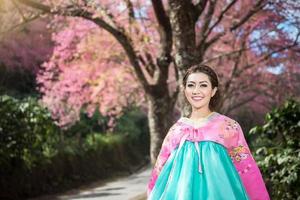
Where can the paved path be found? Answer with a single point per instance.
(132, 187)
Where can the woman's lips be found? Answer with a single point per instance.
(197, 98)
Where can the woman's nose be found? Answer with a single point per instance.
(196, 89)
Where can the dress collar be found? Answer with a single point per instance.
(198, 123)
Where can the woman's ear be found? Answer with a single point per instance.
(181, 87)
(214, 91)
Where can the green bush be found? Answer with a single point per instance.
(27, 132)
(23, 87)
(97, 123)
(90, 132)
(278, 154)
(134, 124)
(98, 141)
(36, 157)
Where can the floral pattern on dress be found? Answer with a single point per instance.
(228, 129)
(239, 153)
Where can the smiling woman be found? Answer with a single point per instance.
(205, 155)
(201, 90)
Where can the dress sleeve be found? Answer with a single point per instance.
(165, 151)
(247, 167)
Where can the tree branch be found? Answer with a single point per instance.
(166, 40)
(225, 55)
(258, 6)
(223, 12)
(130, 9)
(150, 66)
(21, 24)
(207, 20)
(244, 101)
(165, 28)
(199, 8)
(267, 56)
(119, 35)
(295, 43)
(36, 5)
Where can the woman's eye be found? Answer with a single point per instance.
(191, 85)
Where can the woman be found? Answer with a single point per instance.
(205, 156)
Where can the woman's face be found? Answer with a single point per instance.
(198, 90)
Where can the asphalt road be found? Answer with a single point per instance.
(132, 187)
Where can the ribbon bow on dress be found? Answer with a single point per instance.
(194, 135)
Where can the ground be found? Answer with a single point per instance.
(132, 187)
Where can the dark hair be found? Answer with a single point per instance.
(215, 100)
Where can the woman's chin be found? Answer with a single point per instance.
(197, 106)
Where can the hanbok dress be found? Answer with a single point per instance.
(206, 160)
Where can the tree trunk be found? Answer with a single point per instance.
(160, 113)
(184, 35)
(184, 105)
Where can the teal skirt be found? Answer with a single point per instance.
(180, 178)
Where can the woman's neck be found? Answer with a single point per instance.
(200, 114)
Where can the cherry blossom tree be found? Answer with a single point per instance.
(242, 39)
(79, 77)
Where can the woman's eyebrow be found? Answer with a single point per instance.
(194, 81)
